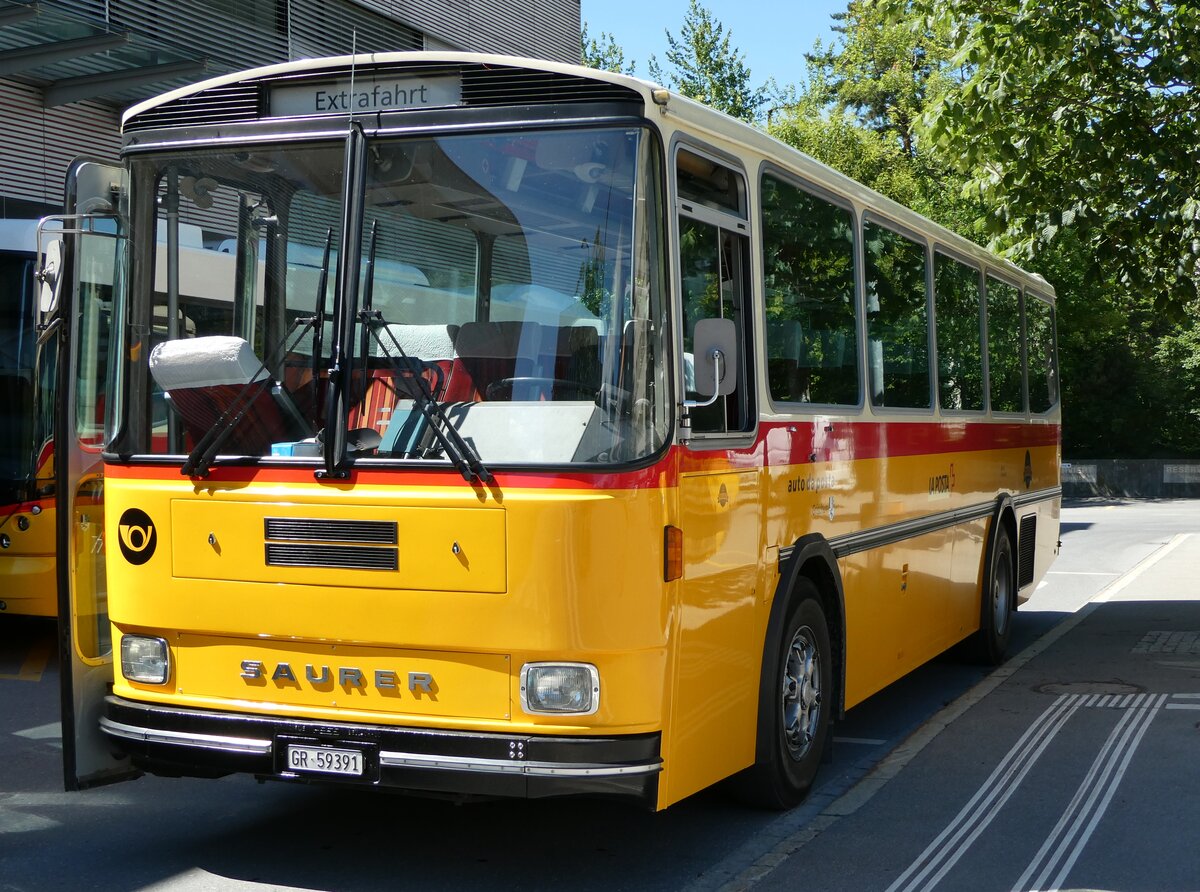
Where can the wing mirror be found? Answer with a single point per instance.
(49, 277)
(715, 345)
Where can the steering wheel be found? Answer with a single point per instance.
(531, 388)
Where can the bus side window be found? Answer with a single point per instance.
(1040, 353)
(1004, 347)
(808, 271)
(714, 255)
(897, 319)
(959, 314)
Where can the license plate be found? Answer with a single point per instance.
(325, 760)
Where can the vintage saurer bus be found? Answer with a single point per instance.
(546, 434)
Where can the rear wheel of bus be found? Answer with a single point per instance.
(997, 601)
(796, 698)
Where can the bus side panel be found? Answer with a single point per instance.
(722, 609)
(903, 607)
(1045, 548)
(970, 545)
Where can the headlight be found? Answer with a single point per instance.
(560, 688)
(145, 660)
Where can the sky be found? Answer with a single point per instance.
(772, 35)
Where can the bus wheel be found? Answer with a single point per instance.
(796, 700)
(997, 601)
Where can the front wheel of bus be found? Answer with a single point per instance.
(796, 700)
(998, 601)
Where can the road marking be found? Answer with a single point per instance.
(1063, 846)
(892, 764)
(51, 731)
(952, 843)
(1112, 589)
(35, 663)
(1078, 573)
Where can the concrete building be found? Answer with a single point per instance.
(69, 67)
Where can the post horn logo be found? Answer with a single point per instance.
(137, 536)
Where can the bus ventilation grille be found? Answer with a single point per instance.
(340, 557)
(374, 532)
(338, 544)
(483, 86)
(1026, 540)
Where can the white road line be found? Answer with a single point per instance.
(949, 846)
(1079, 820)
(1110, 591)
(895, 762)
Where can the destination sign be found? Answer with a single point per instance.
(365, 94)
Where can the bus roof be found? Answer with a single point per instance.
(694, 116)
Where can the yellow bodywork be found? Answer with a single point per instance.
(488, 580)
(27, 566)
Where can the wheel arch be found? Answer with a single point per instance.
(1003, 517)
(811, 558)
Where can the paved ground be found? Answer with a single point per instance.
(1071, 767)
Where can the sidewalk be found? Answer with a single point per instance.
(1074, 765)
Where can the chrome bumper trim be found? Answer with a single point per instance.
(501, 766)
(181, 738)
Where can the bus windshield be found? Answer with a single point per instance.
(510, 280)
(18, 349)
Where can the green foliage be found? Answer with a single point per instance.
(1008, 123)
(882, 70)
(858, 112)
(707, 68)
(1081, 115)
(603, 52)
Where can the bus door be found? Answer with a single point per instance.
(720, 503)
(80, 276)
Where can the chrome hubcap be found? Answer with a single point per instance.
(801, 692)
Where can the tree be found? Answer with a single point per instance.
(603, 52)
(1130, 375)
(1081, 115)
(860, 105)
(705, 67)
(885, 71)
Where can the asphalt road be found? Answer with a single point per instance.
(892, 768)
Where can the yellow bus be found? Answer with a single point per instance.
(27, 516)
(551, 434)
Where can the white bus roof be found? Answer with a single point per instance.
(691, 115)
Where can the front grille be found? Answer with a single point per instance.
(339, 557)
(375, 532)
(483, 86)
(1026, 540)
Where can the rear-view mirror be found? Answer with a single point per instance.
(715, 345)
(49, 276)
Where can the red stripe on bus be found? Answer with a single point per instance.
(658, 476)
(777, 444)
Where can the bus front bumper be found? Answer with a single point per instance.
(191, 742)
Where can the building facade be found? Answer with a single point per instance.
(68, 68)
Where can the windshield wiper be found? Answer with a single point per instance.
(199, 460)
(410, 369)
(458, 450)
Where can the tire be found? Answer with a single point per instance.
(997, 601)
(796, 703)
